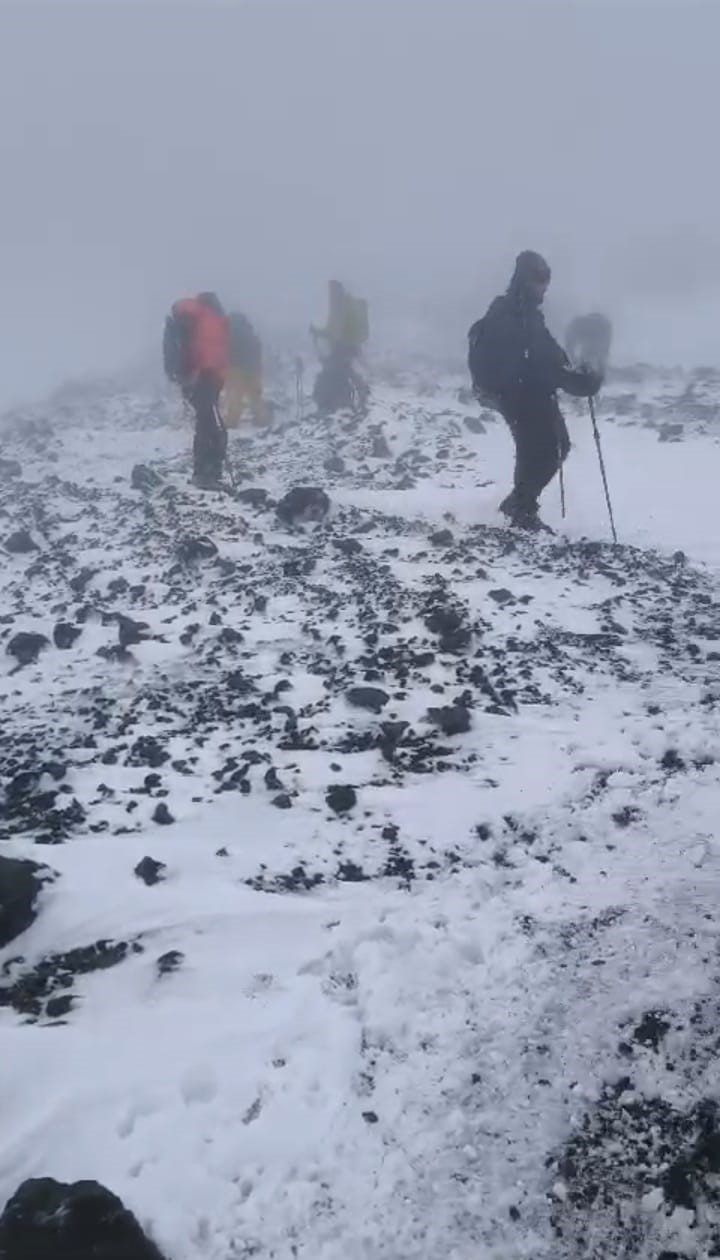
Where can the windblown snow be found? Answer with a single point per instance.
(421, 954)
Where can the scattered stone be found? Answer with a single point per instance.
(502, 596)
(451, 719)
(303, 504)
(169, 962)
(651, 1030)
(31, 988)
(144, 478)
(10, 468)
(52, 1220)
(20, 543)
(348, 546)
(59, 1007)
(20, 883)
(671, 433)
(150, 871)
(442, 538)
(147, 751)
(341, 798)
(162, 815)
(282, 801)
(191, 550)
(474, 424)
(130, 631)
(372, 698)
(334, 464)
(81, 580)
(65, 634)
(255, 496)
(27, 646)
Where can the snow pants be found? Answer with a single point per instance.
(541, 445)
(210, 441)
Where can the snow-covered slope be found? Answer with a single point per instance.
(427, 970)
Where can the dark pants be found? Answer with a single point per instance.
(210, 442)
(541, 445)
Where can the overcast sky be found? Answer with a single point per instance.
(149, 148)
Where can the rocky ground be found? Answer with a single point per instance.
(358, 874)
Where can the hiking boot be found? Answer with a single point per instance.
(529, 521)
(208, 481)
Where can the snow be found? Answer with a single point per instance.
(384, 1067)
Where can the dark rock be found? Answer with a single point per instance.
(81, 579)
(452, 719)
(443, 621)
(282, 801)
(65, 634)
(169, 962)
(147, 751)
(380, 448)
(20, 883)
(162, 815)
(28, 992)
(502, 596)
(144, 478)
(9, 468)
(370, 1117)
(20, 543)
(303, 504)
(334, 464)
(255, 496)
(58, 1007)
(27, 646)
(372, 698)
(130, 631)
(651, 1030)
(348, 546)
(191, 549)
(50, 1220)
(150, 871)
(670, 433)
(442, 538)
(474, 424)
(341, 798)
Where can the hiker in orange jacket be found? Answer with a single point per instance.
(195, 354)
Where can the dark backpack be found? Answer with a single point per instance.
(176, 348)
(479, 363)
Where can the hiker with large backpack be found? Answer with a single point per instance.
(517, 368)
(243, 380)
(339, 345)
(588, 340)
(195, 356)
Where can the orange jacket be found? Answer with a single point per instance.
(207, 345)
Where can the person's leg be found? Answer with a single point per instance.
(542, 444)
(552, 444)
(210, 437)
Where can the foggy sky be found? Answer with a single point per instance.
(150, 148)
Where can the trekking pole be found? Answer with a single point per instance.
(299, 391)
(596, 435)
(561, 476)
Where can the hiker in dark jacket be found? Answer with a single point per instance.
(518, 367)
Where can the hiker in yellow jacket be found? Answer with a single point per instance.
(339, 344)
(243, 378)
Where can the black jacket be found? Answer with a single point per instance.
(516, 356)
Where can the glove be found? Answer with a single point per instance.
(583, 382)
